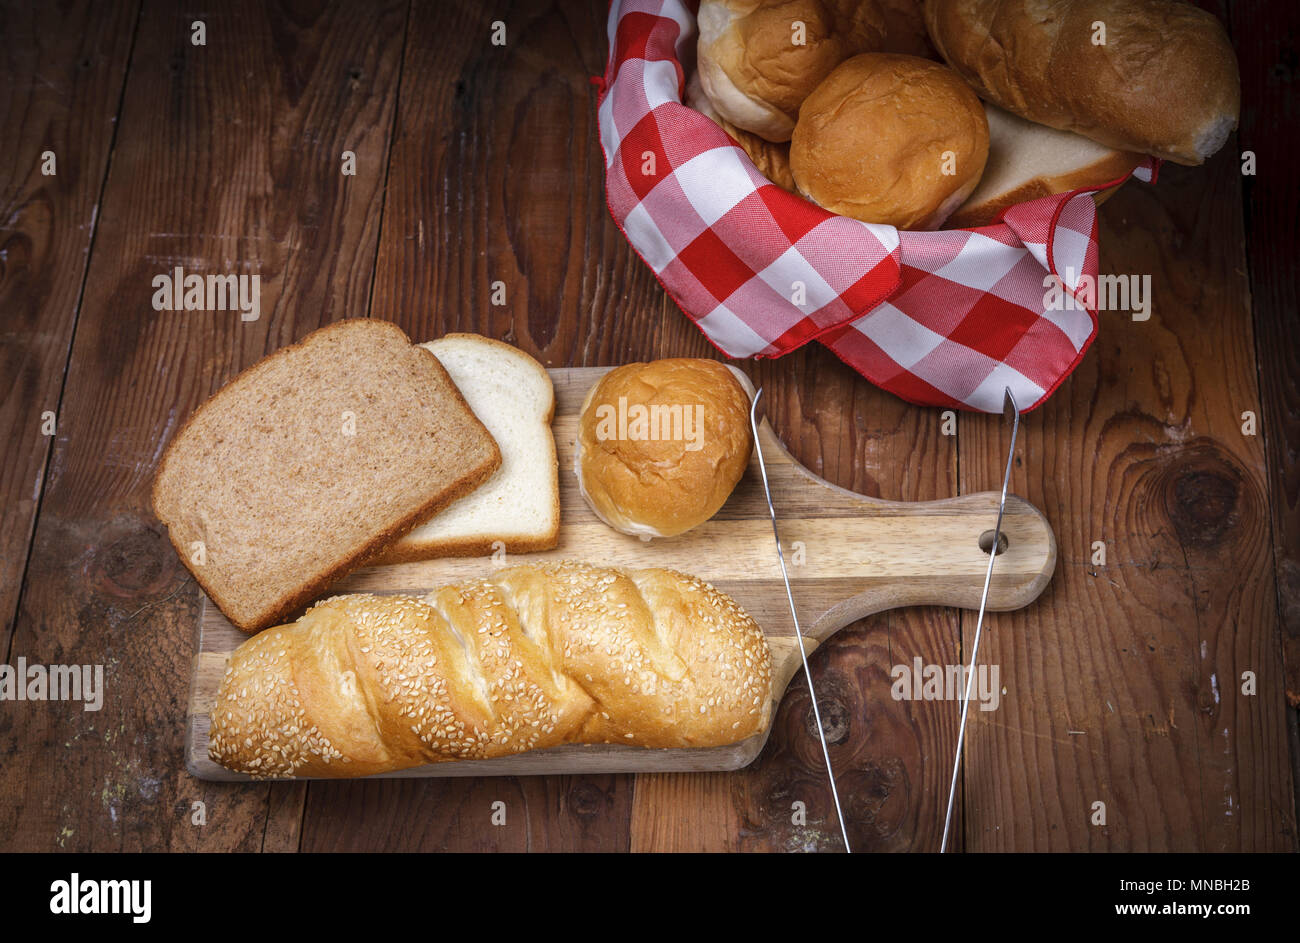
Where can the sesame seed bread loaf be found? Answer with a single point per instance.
(311, 461)
(530, 657)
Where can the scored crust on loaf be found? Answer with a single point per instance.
(530, 657)
(1028, 161)
(519, 506)
(310, 461)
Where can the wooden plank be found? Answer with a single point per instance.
(1124, 683)
(496, 175)
(1265, 37)
(64, 69)
(228, 160)
(541, 814)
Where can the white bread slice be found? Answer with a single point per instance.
(511, 394)
(1028, 161)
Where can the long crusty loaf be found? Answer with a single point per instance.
(531, 657)
(1154, 76)
(311, 461)
(518, 508)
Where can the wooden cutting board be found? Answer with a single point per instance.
(849, 556)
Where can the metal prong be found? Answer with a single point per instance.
(1011, 412)
(798, 632)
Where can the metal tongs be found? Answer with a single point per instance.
(798, 632)
(1012, 412)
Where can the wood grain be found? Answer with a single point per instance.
(1266, 37)
(227, 160)
(1124, 684)
(496, 176)
(64, 67)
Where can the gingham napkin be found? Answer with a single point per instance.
(944, 318)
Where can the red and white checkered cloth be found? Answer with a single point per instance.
(944, 318)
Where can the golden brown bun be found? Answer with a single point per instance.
(1165, 82)
(874, 140)
(753, 71)
(771, 159)
(529, 658)
(663, 476)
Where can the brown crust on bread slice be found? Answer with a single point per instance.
(174, 507)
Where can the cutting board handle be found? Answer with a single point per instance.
(900, 553)
(850, 556)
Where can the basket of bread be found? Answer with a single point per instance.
(912, 183)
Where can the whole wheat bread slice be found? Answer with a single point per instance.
(518, 508)
(313, 460)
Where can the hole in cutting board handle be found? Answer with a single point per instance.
(986, 541)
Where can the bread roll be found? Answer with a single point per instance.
(1028, 161)
(1165, 82)
(661, 445)
(890, 139)
(771, 159)
(754, 70)
(528, 658)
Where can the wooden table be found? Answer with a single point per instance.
(478, 163)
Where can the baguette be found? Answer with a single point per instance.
(531, 657)
(1164, 81)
